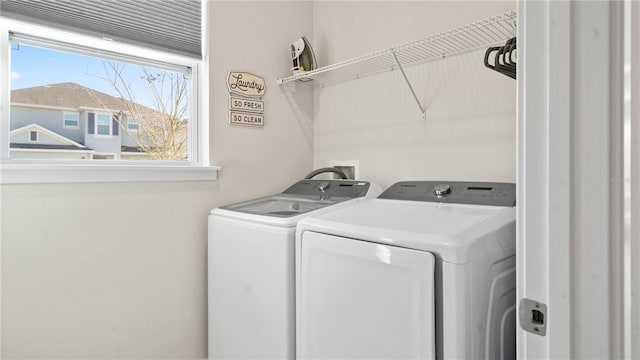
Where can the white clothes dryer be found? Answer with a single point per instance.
(425, 271)
(251, 267)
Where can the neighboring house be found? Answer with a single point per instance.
(35, 142)
(71, 121)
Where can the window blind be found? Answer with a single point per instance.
(169, 25)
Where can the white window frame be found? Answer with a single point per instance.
(31, 132)
(19, 171)
(96, 126)
(134, 121)
(64, 120)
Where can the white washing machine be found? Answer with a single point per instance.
(427, 270)
(251, 267)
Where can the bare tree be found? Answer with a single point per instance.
(162, 130)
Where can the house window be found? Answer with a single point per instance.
(33, 136)
(95, 86)
(103, 124)
(71, 120)
(132, 124)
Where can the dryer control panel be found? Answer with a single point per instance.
(330, 188)
(456, 192)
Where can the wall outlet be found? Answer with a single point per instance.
(351, 168)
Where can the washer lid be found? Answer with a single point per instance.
(452, 232)
(304, 196)
(282, 206)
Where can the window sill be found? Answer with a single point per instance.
(21, 173)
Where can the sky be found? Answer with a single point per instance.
(33, 66)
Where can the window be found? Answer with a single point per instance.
(33, 136)
(132, 124)
(32, 51)
(155, 99)
(71, 120)
(103, 124)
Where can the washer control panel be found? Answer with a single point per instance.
(330, 188)
(456, 192)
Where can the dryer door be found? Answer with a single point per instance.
(360, 300)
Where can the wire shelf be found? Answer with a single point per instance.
(474, 36)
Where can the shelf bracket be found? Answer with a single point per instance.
(406, 79)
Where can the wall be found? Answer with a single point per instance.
(469, 132)
(128, 137)
(104, 144)
(104, 270)
(256, 37)
(48, 118)
(118, 270)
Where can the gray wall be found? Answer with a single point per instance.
(43, 138)
(110, 144)
(52, 119)
(126, 138)
(102, 143)
(118, 270)
(47, 118)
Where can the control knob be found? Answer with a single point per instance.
(323, 186)
(442, 190)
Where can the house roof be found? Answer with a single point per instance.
(48, 147)
(131, 149)
(64, 142)
(68, 94)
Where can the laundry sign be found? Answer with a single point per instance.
(245, 84)
(245, 98)
(241, 118)
(244, 104)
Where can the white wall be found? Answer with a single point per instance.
(118, 270)
(104, 270)
(256, 37)
(469, 133)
